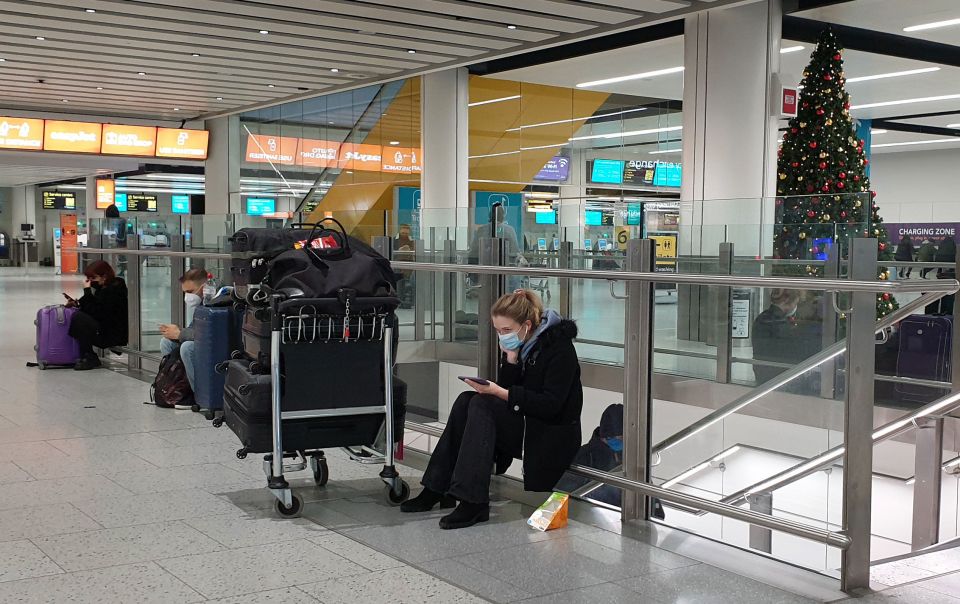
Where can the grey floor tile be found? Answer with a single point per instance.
(395, 586)
(23, 560)
(140, 583)
(198, 436)
(188, 455)
(560, 565)
(707, 584)
(944, 561)
(154, 507)
(203, 476)
(257, 527)
(133, 425)
(11, 472)
(475, 581)
(321, 513)
(20, 434)
(355, 552)
(45, 468)
(636, 550)
(60, 490)
(260, 568)
(898, 573)
(122, 443)
(125, 545)
(25, 451)
(290, 595)
(606, 593)
(911, 594)
(43, 520)
(947, 584)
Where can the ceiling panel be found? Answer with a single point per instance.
(194, 51)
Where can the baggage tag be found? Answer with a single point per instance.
(320, 243)
(346, 322)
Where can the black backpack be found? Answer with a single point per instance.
(171, 386)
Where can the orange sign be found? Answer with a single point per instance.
(21, 133)
(361, 157)
(69, 261)
(265, 148)
(401, 160)
(128, 140)
(73, 137)
(182, 144)
(317, 153)
(106, 188)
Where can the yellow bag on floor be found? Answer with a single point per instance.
(552, 514)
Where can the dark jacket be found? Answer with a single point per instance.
(947, 252)
(782, 339)
(927, 252)
(904, 251)
(546, 390)
(108, 305)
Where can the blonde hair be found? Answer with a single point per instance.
(522, 305)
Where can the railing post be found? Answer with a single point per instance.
(761, 539)
(383, 245)
(928, 456)
(637, 373)
(449, 289)
(421, 289)
(828, 371)
(133, 299)
(858, 420)
(177, 268)
(565, 260)
(488, 350)
(722, 308)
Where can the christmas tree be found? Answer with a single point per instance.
(823, 191)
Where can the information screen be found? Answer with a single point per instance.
(180, 204)
(59, 200)
(593, 218)
(668, 175)
(141, 202)
(258, 206)
(639, 172)
(607, 171)
(546, 217)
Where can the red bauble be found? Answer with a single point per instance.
(825, 188)
(842, 175)
(806, 104)
(841, 163)
(886, 297)
(794, 164)
(809, 188)
(873, 194)
(823, 165)
(843, 214)
(794, 130)
(820, 111)
(840, 185)
(846, 105)
(813, 145)
(866, 162)
(883, 246)
(856, 178)
(828, 77)
(811, 214)
(836, 57)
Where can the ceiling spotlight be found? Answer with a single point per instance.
(511, 27)
(176, 109)
(219, 98)
(99, 87)
(411, 51)
(394, 142)
(2, 60)
(41, 38)
(334, 70)
(331, 123)
(91, 11)
(141, 73)
(195, 54)
(270, 86)
(264, 31)
(64, 101)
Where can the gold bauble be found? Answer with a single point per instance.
(803, 235)
(783, 176)
(799, 178)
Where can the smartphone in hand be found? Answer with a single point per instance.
(69, 299)
(475, 380)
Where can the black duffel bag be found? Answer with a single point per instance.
(252, 249)
(351, 266)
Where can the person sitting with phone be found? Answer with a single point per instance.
(102, 320)
(191, 285)
(532, 412)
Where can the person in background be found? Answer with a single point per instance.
(926, 253)
(404, 242)
(947, 254)
(102, 320)
(779, 337)
(191, 285)
(533, 414)
(904, 254)
(405, 248)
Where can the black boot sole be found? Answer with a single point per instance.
(445, 503)
(480, 517)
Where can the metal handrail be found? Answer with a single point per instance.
(833, 539)
(121, 251)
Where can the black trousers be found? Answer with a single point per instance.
(85, 330)
(481, 431)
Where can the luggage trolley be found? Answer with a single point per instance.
(331, 386)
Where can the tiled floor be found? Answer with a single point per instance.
(104, 499)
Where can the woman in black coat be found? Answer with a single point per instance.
(904, 254)
(533, 412)
(102, 320)
(947, 253)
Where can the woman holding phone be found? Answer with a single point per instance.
(532, 411)
(102, 320)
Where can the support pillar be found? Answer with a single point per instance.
(761, 539)
(928, 456)
(444, 181)
(222, 167)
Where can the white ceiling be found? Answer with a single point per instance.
(367, 41)
(891, 16)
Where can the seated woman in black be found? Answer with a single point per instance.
(779, 337)
(534, 410)
(102, 320)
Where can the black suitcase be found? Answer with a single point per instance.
(247, 412)
(252, 249)
(925, 346)
(256, 336)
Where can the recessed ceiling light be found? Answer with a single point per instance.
(789, 49)
(2, 60)
(41, 38)
(195, 54)
(141, 73)
(331, 123)
(270, 86)
(926, 99)
(334, 70)
(176, 109)
(219, 98)
(511, 27)
(934, 25)
(892, 74)
(394, 142)
(64, 101)
(411, 51)
(929, 142)
(264, 31)
(99, 87)
(627, 78)
(91, 11)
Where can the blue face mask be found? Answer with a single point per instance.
(615, 444)
(510, 341)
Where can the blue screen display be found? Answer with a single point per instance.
(258, 206)
(180, 204)
(546, 217)
(668, 175)
(120, 200)
(593, 217)
(634, 213)
(607, 171)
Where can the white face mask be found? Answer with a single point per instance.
(192, 300)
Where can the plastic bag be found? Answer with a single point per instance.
(552, 514)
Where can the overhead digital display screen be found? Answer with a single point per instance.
(128, 140)
(182, 144)
(546, 217)
(607, 171)
(639, 172)
(59, 200)
(258, 206)
(668, 175)
(106, 190)
(555, 170)
(180, 204)
(141, 202)
(72, 137)
(21, 133)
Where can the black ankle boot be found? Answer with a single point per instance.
(426, 500)
(466, 514)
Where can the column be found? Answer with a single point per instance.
(222, 168)
(732, 60)
(444, 182)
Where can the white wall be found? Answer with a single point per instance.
(917, 186)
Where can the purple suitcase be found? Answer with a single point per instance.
(55, 347)
(925, 346)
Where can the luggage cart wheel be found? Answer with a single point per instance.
(218, 421)
(242, 453)
(396, 498)
(321, 473)
(295, 506)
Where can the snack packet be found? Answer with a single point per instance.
(552, 514)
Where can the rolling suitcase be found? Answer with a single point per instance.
(924, 353)
(256, 336)
(55, 347)
(215, 337)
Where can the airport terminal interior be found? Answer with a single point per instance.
(251, 254)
